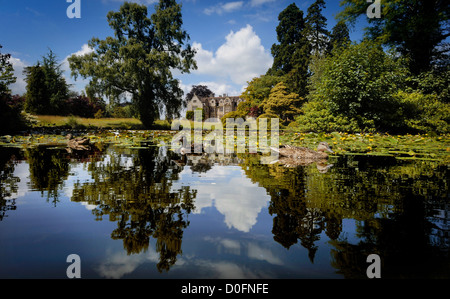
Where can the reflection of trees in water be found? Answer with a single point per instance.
(134, 189)
(393, 202)
(400, 207)
(9, 158)
(50, 167)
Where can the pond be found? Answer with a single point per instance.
(150, 213)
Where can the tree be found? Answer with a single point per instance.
(416, 28)
(6, 73)
(47, 89)
(289, 35)
(37, 96)
(360, 84)
(316, 25)
(291, 55)
(138, 60)
(283, 103)
(201, 91)
(258, 90)
(10, 106)
(58, 89)
(339, 37)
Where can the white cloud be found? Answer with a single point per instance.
(233, 195)
(80, 83)
(241, 58)
(20, 86)
(118, 264)
(85, 49)
(222, 8)
(221, 88)
(254, 3)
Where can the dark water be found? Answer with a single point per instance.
(145, 213)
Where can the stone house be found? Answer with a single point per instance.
(214, 107)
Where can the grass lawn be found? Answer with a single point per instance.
(79, 122)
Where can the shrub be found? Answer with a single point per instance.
(190, 115)
(269, 117)
(234, 114)
(424, 113)
(318, 118)
(73, 123)
(358, 85)
(99, 114)
(123, 112)
(83, 106)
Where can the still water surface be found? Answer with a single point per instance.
(148, 213)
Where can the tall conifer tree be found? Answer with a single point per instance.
(316, 24)
(292, 54)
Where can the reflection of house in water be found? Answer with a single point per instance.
(203, 163)
(440, 233)
(214, 107)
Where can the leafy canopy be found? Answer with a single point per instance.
(417, 28)
(291, 55)
(139, 59)
(283, 103)
(6, 73)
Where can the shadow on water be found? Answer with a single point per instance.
(400, 207)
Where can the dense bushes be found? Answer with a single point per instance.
(83, 106)
(424, 113)
(362, 88)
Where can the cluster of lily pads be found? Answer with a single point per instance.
(407, 146)
(422, 147)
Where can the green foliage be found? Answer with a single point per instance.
(139, 58)
(6, 73)
(11, 118)
(126, 111)
(269, 117)
(291, 55)
(37, 96)
(316, 24)
(359, 83)
(99, 114)
(435, 83)
(47, 90)
(57, 88)
(340, 37)
(190, 115)
(201, 91)
(258, 90)
(234, 115)
(424, 113)
(361, 88)
(415, 27)
(73, 122)
(317, 117)
(282, 103)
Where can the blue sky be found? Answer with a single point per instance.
(233, 37)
